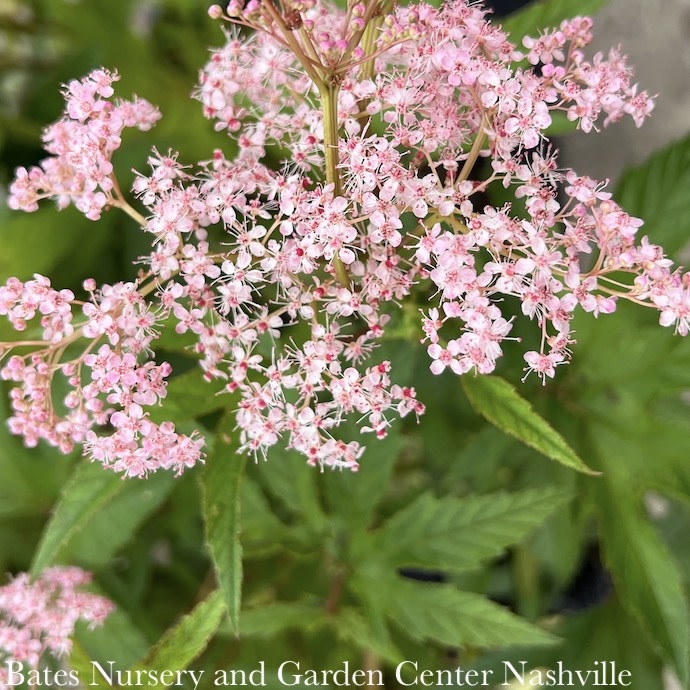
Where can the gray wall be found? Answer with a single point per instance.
(655, 34)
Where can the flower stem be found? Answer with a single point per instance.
(120, 202)
(474, 152)
(369, 47)
(372, 9)
(329, 108)
(368, 64)
(290, 39)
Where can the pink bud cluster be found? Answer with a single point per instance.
(289, 280)
(38, 616)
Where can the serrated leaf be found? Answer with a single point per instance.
(603, 632)
(184, 642)
(625, 434)
(655, 359)
(262, 531)
(370, 581)
(354, 628)
(87, 491)
(458, 534)
(447, 616)
(221, 482)
(646, 574)
(498, 402)
(657, 192)
(479, 460)
(546, 14)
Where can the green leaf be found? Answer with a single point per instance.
(171, 341)
(646, 574)
(604, 632)
(657, 192)
(262, 531)
(478, 463)
(546, 14)
(189, 396)
(447, 616)
(354, 495)
(183, 643)
(50, 235)
(287, 476)
(458, 534)
(221, 482)
(117, 640)
(80, 661)
(30, 478)
(98, 542)
(361, 631)
(87, 491)
(674, 525)
(372, 583)
(625, 431)
(271, 619)
(497, 401)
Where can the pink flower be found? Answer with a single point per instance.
(543, 365)
(38, 616)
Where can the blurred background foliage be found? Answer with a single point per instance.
(607, 570)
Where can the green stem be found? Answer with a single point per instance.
(474, 152)
(120, 202)
(308, 45)
(526, 573)
(372, 9)
(329, 108)
(368, 43)
(367, 68)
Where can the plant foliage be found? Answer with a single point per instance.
(456, 544)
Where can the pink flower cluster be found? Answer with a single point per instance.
(109, 382)
(82, 143)
(308, 388)
(38, 616)
(289, 280)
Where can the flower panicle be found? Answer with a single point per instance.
(382, 113)
(38, 616)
